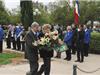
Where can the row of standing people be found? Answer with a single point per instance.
(78, 41)
(15, 37)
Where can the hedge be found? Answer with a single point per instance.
(95, 43)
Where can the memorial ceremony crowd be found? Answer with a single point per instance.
(76, 37)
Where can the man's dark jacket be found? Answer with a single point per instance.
(31, 50)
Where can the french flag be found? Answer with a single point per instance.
(76, 13)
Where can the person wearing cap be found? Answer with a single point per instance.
(1, 38)
(31, 48)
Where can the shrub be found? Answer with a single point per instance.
(95, 42)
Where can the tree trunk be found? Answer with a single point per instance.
(26, 13)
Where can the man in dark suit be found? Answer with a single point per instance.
(8, 38)
(80, 44)
(74, 38)
(31, 48)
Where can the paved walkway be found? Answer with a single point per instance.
(59, 66)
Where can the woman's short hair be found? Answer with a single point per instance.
(46, 26)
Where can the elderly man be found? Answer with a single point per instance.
(1, 38)
(31, 48)
(68, 41)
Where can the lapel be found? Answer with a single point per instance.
(32, 35)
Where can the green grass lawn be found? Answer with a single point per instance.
(5, 58)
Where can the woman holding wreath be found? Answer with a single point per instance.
(45, 53)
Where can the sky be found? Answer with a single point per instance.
(11, 4)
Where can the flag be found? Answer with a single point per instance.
(76, 12)
(70, 3)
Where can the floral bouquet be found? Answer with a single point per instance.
(58, 45)
(51, 41)
(44, 43)
(48, 40)
(54, 35)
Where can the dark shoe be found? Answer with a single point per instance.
(77, 61)
(28, 73)
(73, 53)
(57, 57)
(18, 50)
(86, 55)
(38, 73)
(8, 47)
(68, 59)
(81, 61)
(13, 49)
(65, 58)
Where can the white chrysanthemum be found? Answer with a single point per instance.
(56, 32)
(47, 40)
(42, 41)
(55, 37)
(35, 43)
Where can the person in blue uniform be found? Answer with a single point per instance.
(13, 41)
(18, 33)
(87, 38)
(1, 38)
(68, 41)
